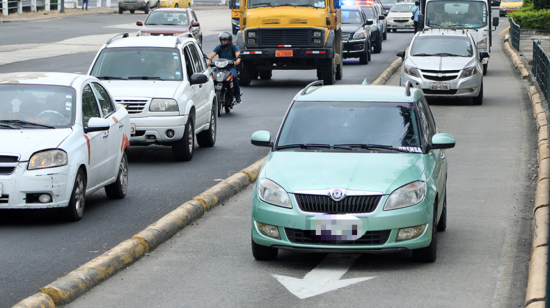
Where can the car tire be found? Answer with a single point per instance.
(132, 11)
(442, 224)
(478, 100)
(485, 67)
(146, 9)
(263, 253)
(176, 6)
(370, 51)
(118, 189)
(327, 72)
(120, 10)
(183, 149)
(245, 75)
(266, 74)
(207, 138)
(340, 70)
(385, 35)
(378, 47)
(428, 254)
(75, 210)
(219, 104)
(364, 58)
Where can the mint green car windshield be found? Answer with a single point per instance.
(350, 123)
(456, 14)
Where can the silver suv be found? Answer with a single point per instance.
(140, 5)
(164, 84)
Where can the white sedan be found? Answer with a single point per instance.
(399, 17)
(63, 137)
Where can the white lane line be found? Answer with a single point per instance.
(323, 278)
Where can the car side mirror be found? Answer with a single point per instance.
(442, 141)
(97, 125)
(401, 54)
(261, 138)
(496, 21)
(233, 4)
(368, 22)
(483, 55)
(198, 78)
(381, 17)
(195, 24)
(139, 23)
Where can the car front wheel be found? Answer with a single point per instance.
(428, 254)
(207, 138)
(183, 149)
(263, 253)
(75, 210)
(117, 190)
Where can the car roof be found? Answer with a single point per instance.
(148, 41)
(446, 32)
(46, 78)
(358, 93)
(173, 10)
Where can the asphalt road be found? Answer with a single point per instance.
(482, 257)
(39, 248)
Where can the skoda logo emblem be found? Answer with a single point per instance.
(337, 194)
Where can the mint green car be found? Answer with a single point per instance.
(353, 169)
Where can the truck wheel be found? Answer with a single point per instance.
(328, 72)
(183, 149)
(245, 75)
(340, 70)
(207, 138)
(120, 10)
(132, 11)
(266, 74)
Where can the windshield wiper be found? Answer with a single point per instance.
(422, 55)
(22, 123)
(305, 146)
(144, 77)
(110, 77)
(261, 4)
(446, 54)
(367, 146)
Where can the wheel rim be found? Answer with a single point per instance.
(79, 195)
(190, 138)
(123, 174)
(213, 125)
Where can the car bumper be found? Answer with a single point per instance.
(297, 53)
(409, 24)
(17, 186)
(132, 6)
(150, 130)
(459, 87)
(381, 226)
(354, 48)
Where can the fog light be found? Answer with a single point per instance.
(44, 198)
(268, 230)
(410, 233)
(252, 41)
(472, 90)
(170, 133)
(316, 41)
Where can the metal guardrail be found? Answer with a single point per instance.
(18, 6)
(541, 69)
(515, 34)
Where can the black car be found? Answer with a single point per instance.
(356, 34)
(376, 27)
(495, 2)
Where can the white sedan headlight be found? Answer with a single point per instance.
(48, 159)
(359, 35)
(410, 194)
(272, 193)
(163, 104)
(410, 70)
(469, 72)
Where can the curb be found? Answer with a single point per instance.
(76, 283)
(535, 295)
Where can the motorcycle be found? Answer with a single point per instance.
(223, 84)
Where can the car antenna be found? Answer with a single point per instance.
(318, 83)
(408, 85)
(124, 35)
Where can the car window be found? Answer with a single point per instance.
(194, 16)
(402, 8)
(392, 124)
(369, 12)
(107, 107)
(39, 104)
(442, 46)
(198, 61)
(141, 63)
(351, 17)
(89, 105)
(425, 123)
(188, 62)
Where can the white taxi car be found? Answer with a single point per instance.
(165, 85)
(63, 137)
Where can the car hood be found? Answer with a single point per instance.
(400, 15)
(142, 88)
(441, 63)
(25, 142)
(350, 28)
(164, 29)
(381, 172)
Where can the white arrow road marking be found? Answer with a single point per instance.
(323, 278)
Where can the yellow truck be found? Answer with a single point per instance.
(289, 35)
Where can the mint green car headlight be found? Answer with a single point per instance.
(270, 192)
(408, 195)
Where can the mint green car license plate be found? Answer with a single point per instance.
(336, 227)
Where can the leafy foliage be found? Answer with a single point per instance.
(530, 18)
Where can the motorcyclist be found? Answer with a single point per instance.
(226, 50)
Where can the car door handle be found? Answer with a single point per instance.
(442, 156)
(106, 134)
(121, 125)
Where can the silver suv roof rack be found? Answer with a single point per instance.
(124, 35)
